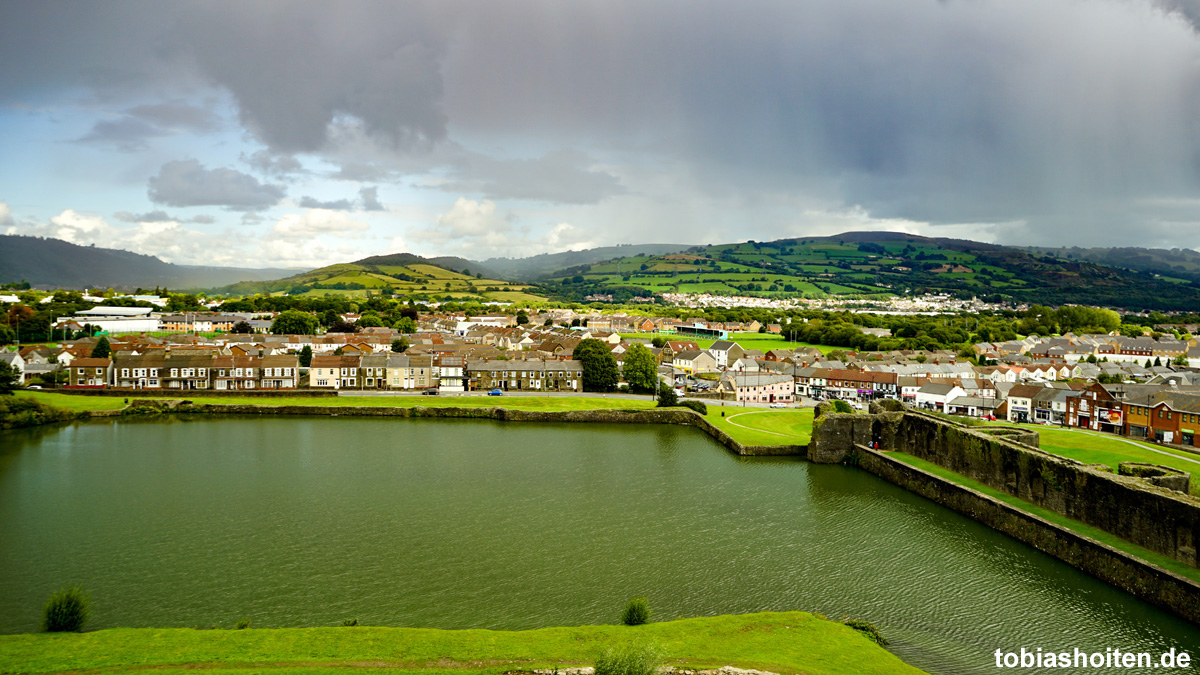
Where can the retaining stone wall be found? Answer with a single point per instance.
(1151, 583)
(1134, 509)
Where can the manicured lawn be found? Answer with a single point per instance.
(1074, 525)
(74, 402)
(757, 426)
(784, 642)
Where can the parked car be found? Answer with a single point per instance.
(430, 392)
(496, 392)
(779, 404)
(34, 386)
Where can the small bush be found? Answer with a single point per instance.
(243, 624)
(350, 622)
(840, 406)
(629, 660)
(67, 611)
(637, 612)
(698, 406)
(667, 396)
(867, 628)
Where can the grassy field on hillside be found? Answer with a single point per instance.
(764, 341)
(785, 642)
(1074, 525)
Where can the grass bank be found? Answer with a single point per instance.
(748, 426)
(783, 642)
(1100, 448)
(1074, 525)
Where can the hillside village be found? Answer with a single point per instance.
(1136, 386)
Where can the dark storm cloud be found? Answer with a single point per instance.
(1052, 115)
(188, 183)
(562, 177)
(177, 116)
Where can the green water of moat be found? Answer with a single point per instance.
(465, 523)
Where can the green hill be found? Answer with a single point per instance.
(401, 273)
(54, 263)
(878, 264)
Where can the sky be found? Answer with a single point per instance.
(299, 134)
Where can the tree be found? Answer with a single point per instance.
(1181, 360)
(242, 327)
(522, 317)
(658, 341)
(339, 351)
(305, 356)
(549, 322)
(9, 378)
(102, 350)
(294, 322)
(399, 345)
(599, 366)
(405, 325)
(341, 326)
(641, 370)
(667, 396)
(369, 321)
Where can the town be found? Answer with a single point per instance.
(1143, 387)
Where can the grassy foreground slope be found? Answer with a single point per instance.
(783, 642)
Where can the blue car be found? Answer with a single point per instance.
(496, 392)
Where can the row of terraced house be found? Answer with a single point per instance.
(388, 371)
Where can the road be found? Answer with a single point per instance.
(533, 394)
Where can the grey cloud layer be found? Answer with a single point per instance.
(188, 183)
(1053, 114)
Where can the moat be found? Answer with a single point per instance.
(462, 523)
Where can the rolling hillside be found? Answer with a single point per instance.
(549, 263)
(401, 273)
(54, 263)
(876, 264)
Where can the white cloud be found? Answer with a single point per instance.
(316, 222)
(168, 240)
(5, 215)
(565, 236)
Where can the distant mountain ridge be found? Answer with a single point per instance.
(60, 264)
(875, 264)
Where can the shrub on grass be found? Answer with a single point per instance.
(667, 396)
(350, 622)
(867, 628)
(67, 611)
(698, 406)
(637, 612)
(629, 660)
(243, 624)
